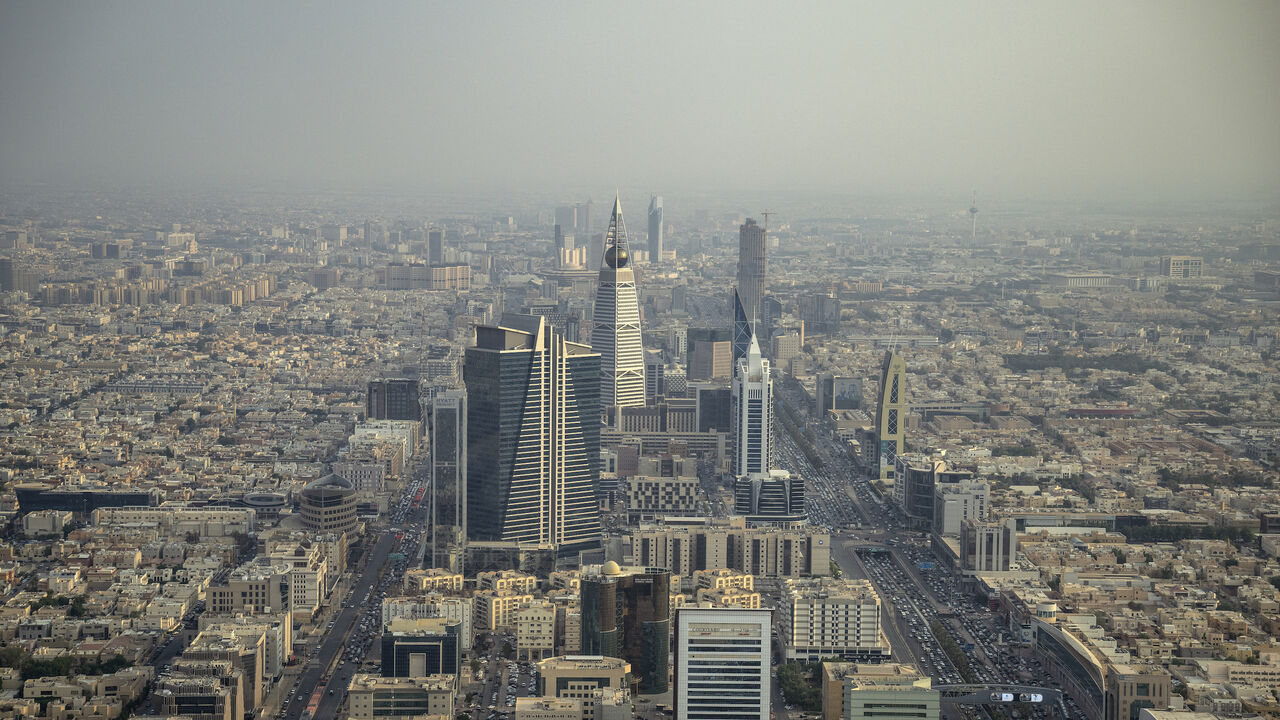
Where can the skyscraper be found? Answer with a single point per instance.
(393, 399)
(435, 247)
(655, 229)
(615, 334)
(751, 266)
(626, 613)
(533, 436)
(742, 330)
(722, 664)
(448, 468)
(752, 417)
(891, 409)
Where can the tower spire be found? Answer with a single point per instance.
(615, 332)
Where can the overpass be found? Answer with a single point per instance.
(996, 694)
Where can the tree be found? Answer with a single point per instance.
(192, 537)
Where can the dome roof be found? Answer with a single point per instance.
(611, 568)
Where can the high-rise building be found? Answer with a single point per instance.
(448, 468)
(655, 385)
(837, 393)
(393, 399)
(768, 321)
(615, 332)
(1181, 266)
(742, 329)
(915, 480)
(626, 613)
(416, 648)
(953, 503)
(827, 617)
(751, 266)
(988, 547)
(655, 229)
(567, 217)
(775, 497)
(714, 408)
(533, 436)
(891, 410)
(752, 417)
(584, 217)
(13, 276)
(722, 664)
(820, 313)
(435, 247)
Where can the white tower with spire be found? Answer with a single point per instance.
(615, 331)
(752, 408)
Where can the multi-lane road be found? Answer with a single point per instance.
(842, 501)
(317, 669)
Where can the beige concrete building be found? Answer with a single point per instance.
(496, 608)
(397, 698)
(720, 578)
(432, 580)
(888, 691)
(581, 677)
(825, 617)
(507, 580)
(535, 630)
(729, 597)
(548, 708)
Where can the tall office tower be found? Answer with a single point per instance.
(722, 664)
(393, 399)
(533, 436)
(751, 266)
(752, 417)
(448, 469)
(767, 321)
(655, 372)
(891, 410)
(655, 229)
(567, 217)
(584, 217)
(742, 330)
(615, 333)
(626, 613)
(435, 247)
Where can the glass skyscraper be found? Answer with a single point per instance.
(533, 436)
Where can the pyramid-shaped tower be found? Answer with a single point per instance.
(615, 331)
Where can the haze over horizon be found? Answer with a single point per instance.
(1146, 100)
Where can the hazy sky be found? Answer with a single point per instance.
(1150, 99)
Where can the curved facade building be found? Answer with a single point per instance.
(626, 613)
(329, 505)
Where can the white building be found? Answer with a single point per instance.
(752, 414)
(722, 664)
(953, 503)
(825, 617)
(615, 331)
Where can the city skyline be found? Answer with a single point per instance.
(941, 380)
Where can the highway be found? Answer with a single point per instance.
(840, 499)
(334, 641)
